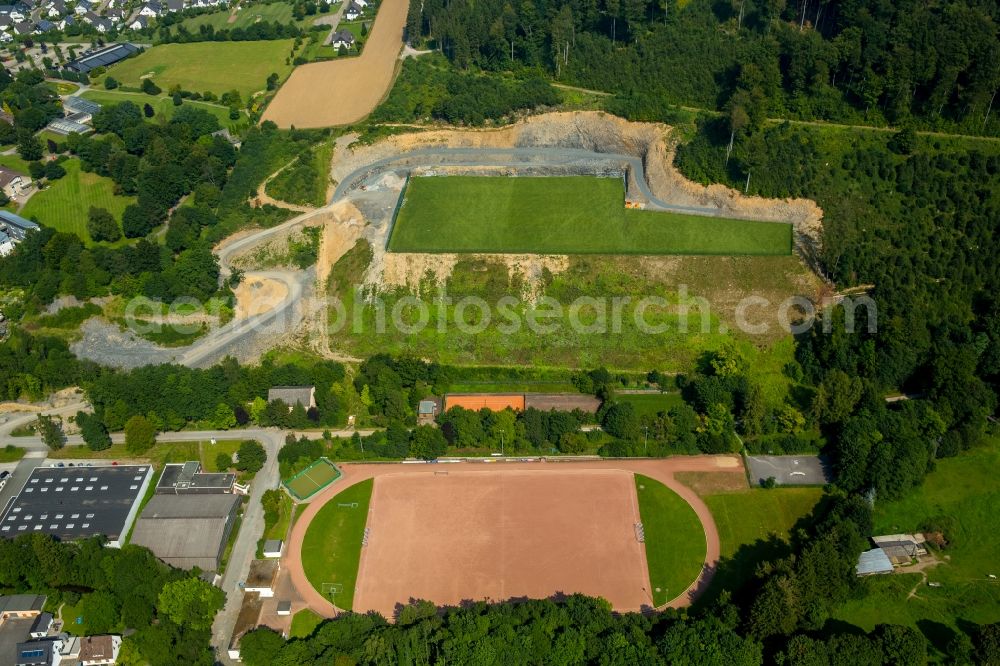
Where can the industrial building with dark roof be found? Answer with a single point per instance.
(187, 531)
(76, 503)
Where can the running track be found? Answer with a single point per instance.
(662, 470)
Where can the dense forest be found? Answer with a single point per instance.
(859, 61)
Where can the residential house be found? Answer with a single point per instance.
(66, 22)
(361, 3)
(115, 15)
(353, 11)
(6, 37)
(99, 650)
(342, 38)
(174, 5)
(5, 22)
(56, 9)
(103, 25)
(82, 7)
(23, 28)
(151, 10)
(41, 626)
(21, 605)
(44, 26)
(138, 23)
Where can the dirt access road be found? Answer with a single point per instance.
(345, 90)
(662, 470)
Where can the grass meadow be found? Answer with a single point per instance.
(217, 67)
(675, 540)
(163, 105)
(563, 215)
(964, 491)
(650, 404)
(754, 525)
(331, 549)
(65, 203)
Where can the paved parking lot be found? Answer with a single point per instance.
(790, 470)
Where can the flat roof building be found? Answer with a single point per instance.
(188, 479)
(76, 503)
(187, 531)
(109, 55)
(80, 105)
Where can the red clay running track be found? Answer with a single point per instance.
(662, 470)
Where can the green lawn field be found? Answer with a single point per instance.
(964, 489)
(331, 549)
(65, 203)
(650, 404)
(675, 540)
(562, 215)
(304, 623)
(163, 105)
(208, 66)
(754, 526)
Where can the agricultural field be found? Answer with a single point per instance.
(308, 100)
(163, 105)
(331, 550)
(960, 495)
(273, 12)
(562, 215)
(675, 539)
(65, 203)
(216, 67)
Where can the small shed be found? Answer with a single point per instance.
(272, 548)
(284, 608)
(873, 562)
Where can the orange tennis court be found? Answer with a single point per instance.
(453, 536)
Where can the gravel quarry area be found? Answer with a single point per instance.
(370, 181)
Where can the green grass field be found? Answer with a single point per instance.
(159, 455)
(563, 215)
(64, 204)
(675, 540)
(650, 404)
(754, 525)
(331, 549)
(304, 623)
(163, 105)
(963, 488)
(312, 479)
(11, 453)
(208, 66)
(280, 12)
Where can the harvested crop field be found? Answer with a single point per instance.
(345, 90)
(497, 535)
(563, 215)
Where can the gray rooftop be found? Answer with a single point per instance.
(75, 503)
(21, 603)
(80, 105)
(873, 561)
(180, 478)
(292, 394)
(13, 631)
(187, 530)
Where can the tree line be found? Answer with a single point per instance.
(813, 59)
